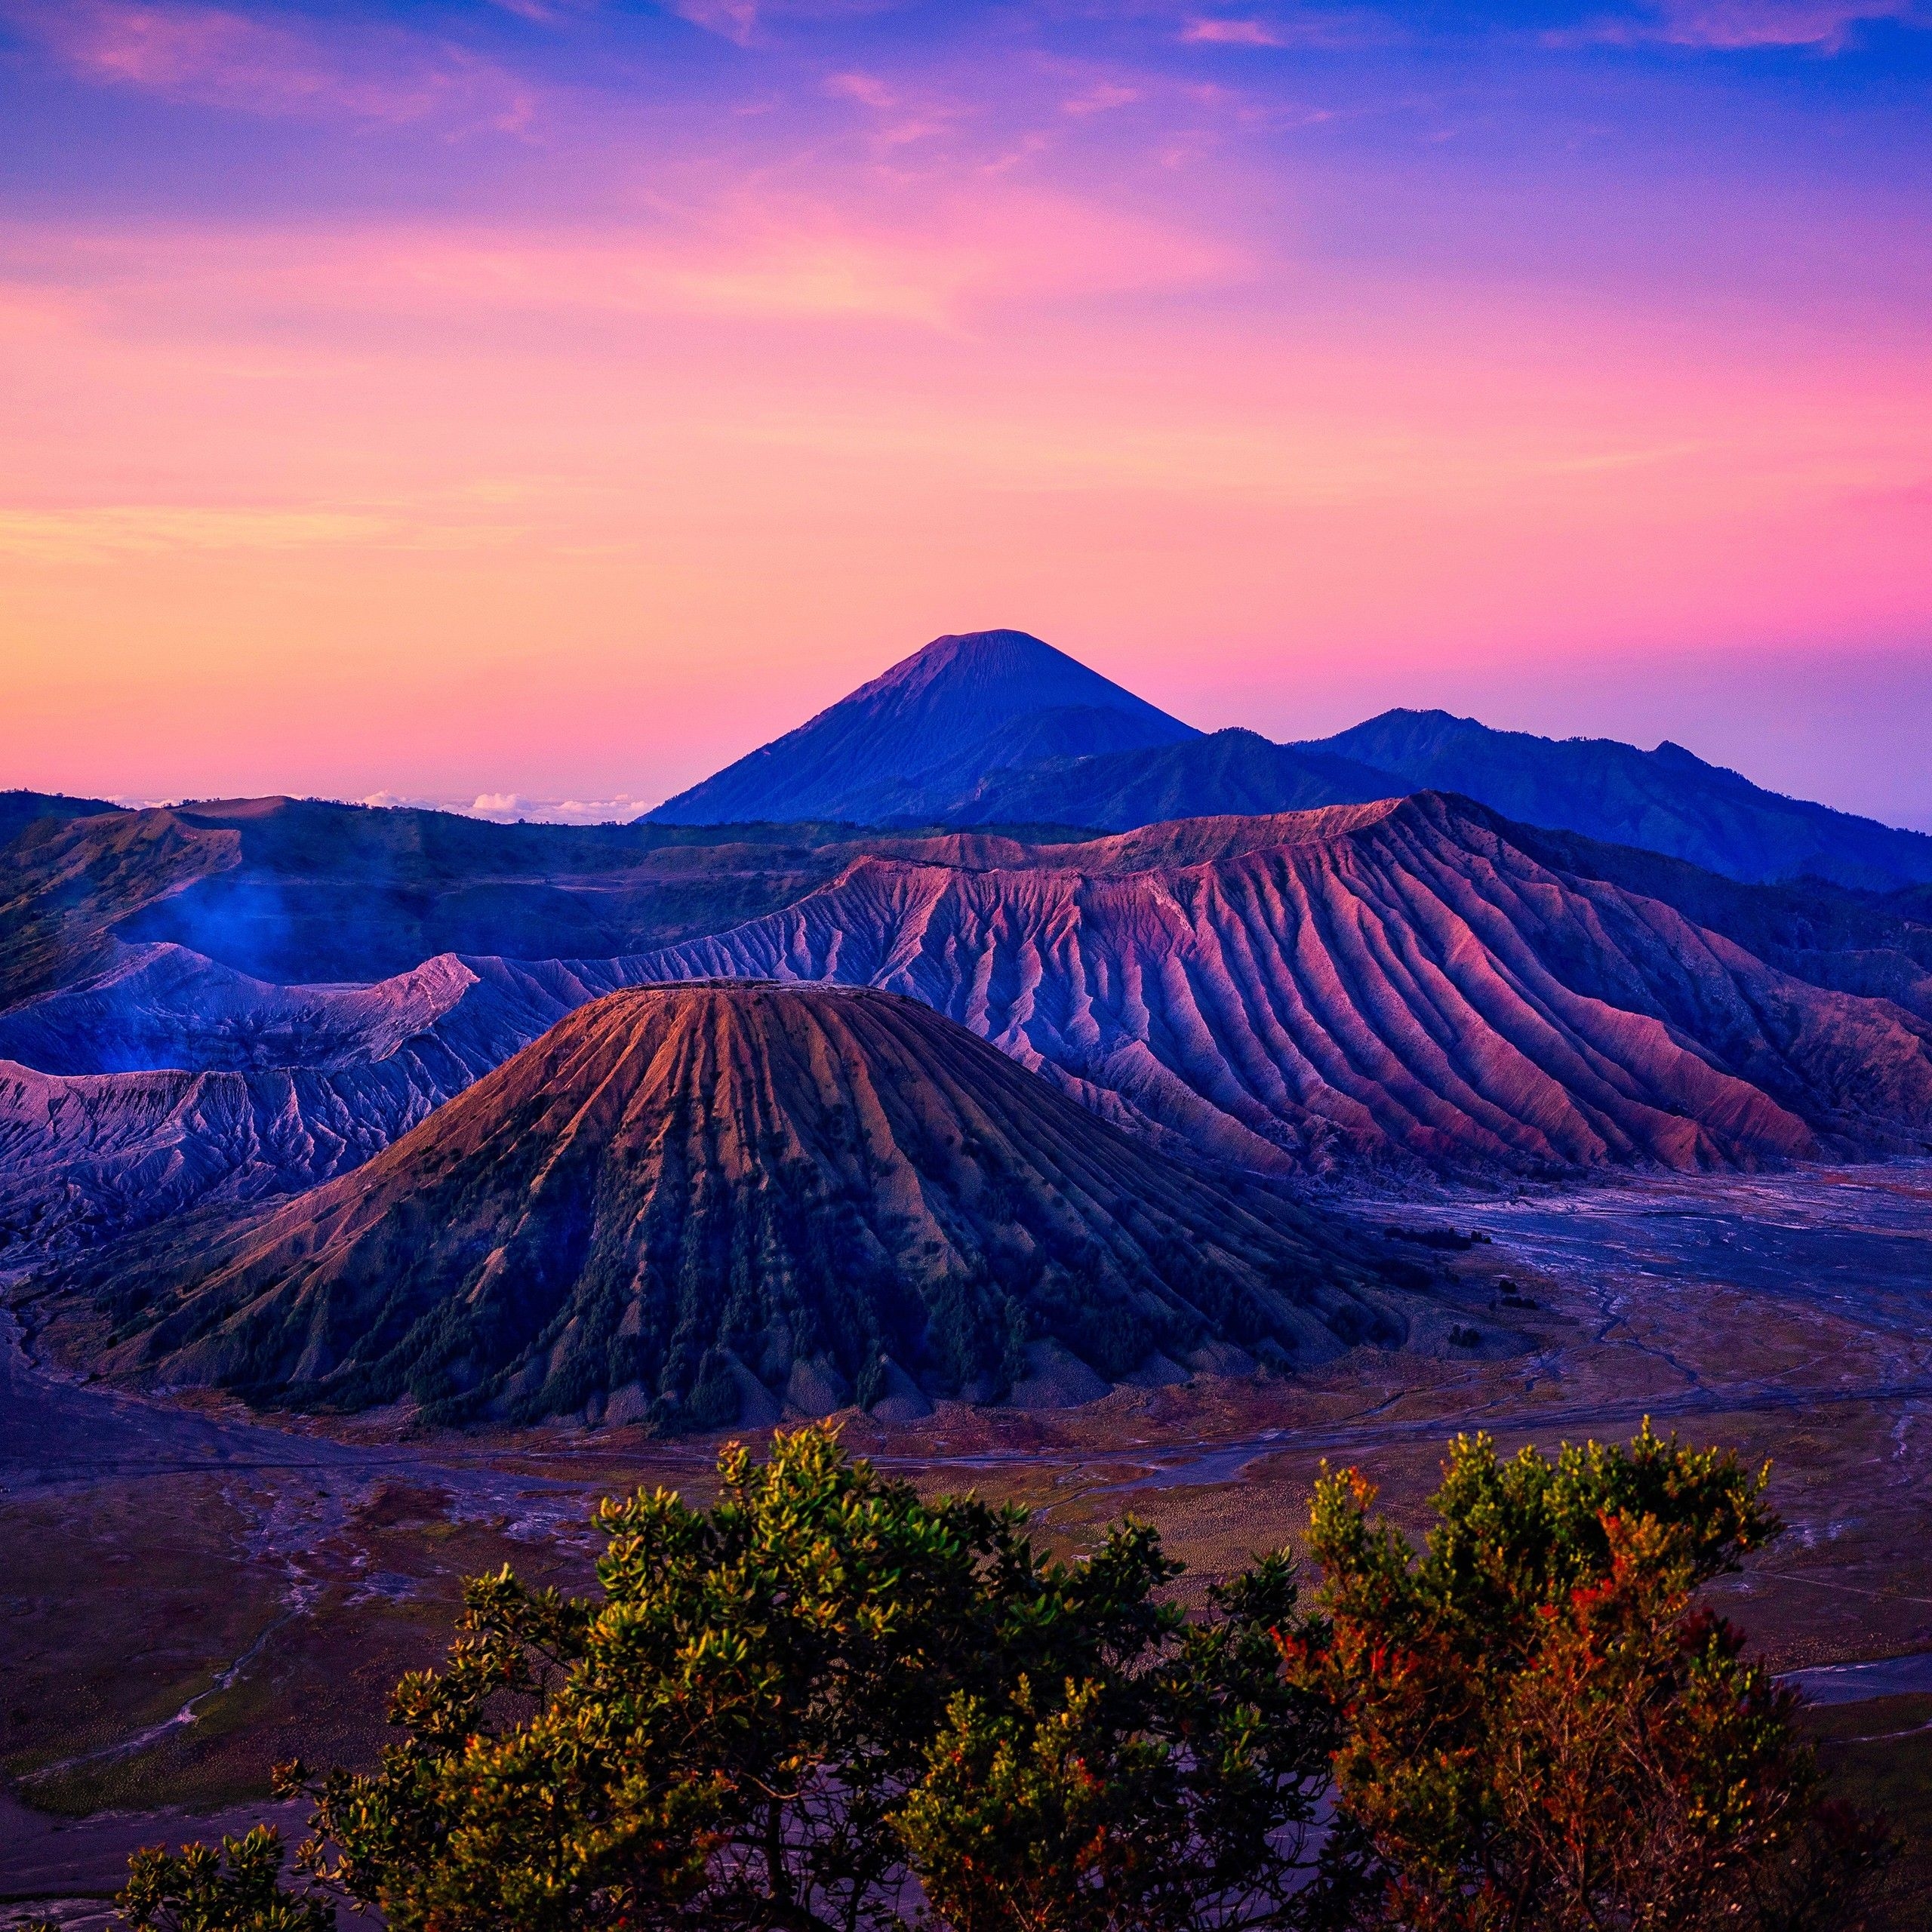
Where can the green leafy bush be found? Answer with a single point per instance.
(1541, 1731)
(826, 1705)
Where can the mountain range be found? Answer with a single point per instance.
(1247, 963)
(992, 731)
(1414, 984)
(1666, 800)
(997, 728)
(298, 890)
(1216, 774)
(931, 727)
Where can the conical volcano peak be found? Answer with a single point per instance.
(705, 1203)
(928, 729)
(1013, 671)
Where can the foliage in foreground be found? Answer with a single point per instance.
(234, 1888)
(826, 1705)
(1177, 1794)
(1540, 1728)
(729, 1736)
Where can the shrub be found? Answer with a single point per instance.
(1542, 1730)
(826, 1704)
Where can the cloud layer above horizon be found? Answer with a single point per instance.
(555, 398)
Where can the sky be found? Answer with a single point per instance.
(549, 400)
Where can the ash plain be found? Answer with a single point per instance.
(188, 1594)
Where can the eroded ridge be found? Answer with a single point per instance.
(1385, 979)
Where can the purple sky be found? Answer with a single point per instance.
(555, 398)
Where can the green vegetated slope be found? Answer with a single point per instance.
(66, 882)
(700, 1205)
(327, 892)
(20, 809)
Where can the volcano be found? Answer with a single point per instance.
(901, 748)
(1413, 984)
(705, 1204)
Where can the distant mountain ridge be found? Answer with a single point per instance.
(1216, 774)
(899, 747)
(998, 728)
(211, 1005)
(1668, 800)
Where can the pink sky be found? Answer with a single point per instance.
(452, 412)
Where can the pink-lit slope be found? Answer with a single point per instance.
(1395, 978)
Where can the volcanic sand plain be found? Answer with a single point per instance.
(188, 1595)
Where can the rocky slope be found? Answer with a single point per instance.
(704, 1204)
(168, 1082)
(87, 1158)
(901, 748)
(1817, 932)
(1395, 979)
(1410, 983)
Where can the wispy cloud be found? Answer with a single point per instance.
(87, 534)
(1101, 98)
(477, 512)
(1825, 26)
(901, 117)
(506, 806)
(1300, 26)
(736, 19)
(540, 13)
(866, 89)
(218, 57)
(1232, 33)
(939, 265)
(743, 22)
